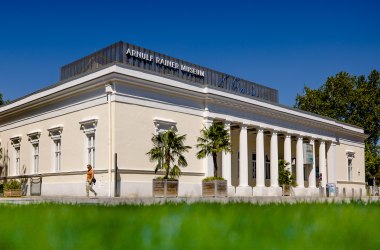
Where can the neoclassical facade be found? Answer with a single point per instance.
(108, 105)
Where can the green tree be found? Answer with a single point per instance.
(213, 140)
(354, 100)
(167, 151)
(2, 101)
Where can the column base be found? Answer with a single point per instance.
(267, 191)
(231, 190)
(243, 191)
(314, 191)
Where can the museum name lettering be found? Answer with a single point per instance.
(221, 81)
(165, 62)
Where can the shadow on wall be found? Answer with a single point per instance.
(4, 159)
(24, 181)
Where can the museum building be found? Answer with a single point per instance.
(107, 105)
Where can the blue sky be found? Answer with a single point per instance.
(281, 44)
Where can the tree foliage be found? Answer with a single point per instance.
(167, 151)
(354, 100)
(212, 141)
(2, 101)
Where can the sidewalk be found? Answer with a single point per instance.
(149, 200)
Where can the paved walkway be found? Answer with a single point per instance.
(150, 201)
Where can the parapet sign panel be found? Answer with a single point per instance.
(166, 66)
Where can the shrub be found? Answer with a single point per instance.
(13, 184)
(284, 176)
(213, 178)
(162, 178)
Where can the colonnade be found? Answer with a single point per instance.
(244, 189)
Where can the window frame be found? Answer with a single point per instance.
(89, 128)
(16, 143)
(91, 149)
(57, 154)
(55, 134)
(350, 167)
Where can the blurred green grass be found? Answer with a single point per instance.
(191, 226)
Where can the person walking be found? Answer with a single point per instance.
(89, 182)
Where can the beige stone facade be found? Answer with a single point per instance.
(118, 109)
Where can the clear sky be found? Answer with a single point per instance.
(281, 44)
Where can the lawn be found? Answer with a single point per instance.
(191, 226)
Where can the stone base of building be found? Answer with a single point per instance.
(348, 191)
(243, 191)
(302, 191)
(143, 189)
(267, 191)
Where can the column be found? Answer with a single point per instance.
(274, 160)
(260, 160)
(322, 162)
(208, 162)
(243, 156)
(299, 162)
(331, 163)
(226, 158)
(312, 172)
(288, 151)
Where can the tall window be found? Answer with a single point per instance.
(238, 165)
(57, 155)
(17, 160)
(91, 149)
(349, 169)
(36, 157)
(34, 138)
(89, 128)
(350, 157)
(16, 143)
(254, 166)
(55, 134)
(267, 167)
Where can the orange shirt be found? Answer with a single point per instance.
(90, 174)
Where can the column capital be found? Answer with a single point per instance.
(207, 122)
(227, 122)
(312, 141)
(208, 119)
(274, 131)
(300, 137)
(288, 135)
(243, 125)
(260, 129)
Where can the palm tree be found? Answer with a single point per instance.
(168, 149)
(213, 140)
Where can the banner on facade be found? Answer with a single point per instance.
(308, 153)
